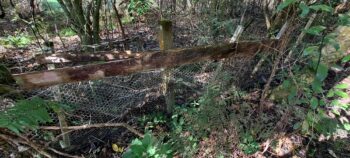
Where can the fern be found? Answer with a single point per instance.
(26, 114)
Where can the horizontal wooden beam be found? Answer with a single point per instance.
(143, 62)
(84, 57)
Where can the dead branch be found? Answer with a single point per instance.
(103, 125)
(16, 139)
(63, 154)
(300, 37)
(32, 145)
(282, 48)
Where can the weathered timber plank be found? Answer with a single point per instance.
(78, 58)
(146, 61)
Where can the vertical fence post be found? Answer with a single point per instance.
(166, 42)
(57, 97)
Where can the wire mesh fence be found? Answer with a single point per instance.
(109, 100)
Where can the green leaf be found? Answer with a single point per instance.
(151, 151)
(322, 7)
(292, 94)
(137, 150)
(310, 50)
(304, 9)
(331, 40)
(305, 126)
(4, 121)
(128, 154)
(315, 30)
(314, 102)
(342, 86)
(13, 128)
(147, 140)
(322, 102)
(341, 94)
(335, 103)
(136, 142)
(347, 126)
(26, 114)
(322, 72)
(344, 19)
(317, 86)
(336, 112)
(285, 4)
(286, 84)
(346, 59)
(296, 126)
(330, 94)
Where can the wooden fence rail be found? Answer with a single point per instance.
(139, 62)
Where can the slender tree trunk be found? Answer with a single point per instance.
(87, 30)
(96, 21)
(184, 5)
(126, 46)
(173, 8)
(2, 11)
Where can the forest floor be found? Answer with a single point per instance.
(276, 121)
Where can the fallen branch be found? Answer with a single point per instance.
(62, 154)
(17, 139)
(11, 140)
(103, 125)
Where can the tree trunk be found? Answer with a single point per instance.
(96, 21)
(88, 31)
(86, 39)
(126, 46)
(2, 11)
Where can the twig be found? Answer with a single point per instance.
(300, 37)
(258, 65)
(63, 154)
(266, 15)
(283, 46)
(32, 145)
(57, 137)
(268, 142)
(40, 149)
(131, 129)
(283, 30)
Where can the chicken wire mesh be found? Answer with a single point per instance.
(109, 100)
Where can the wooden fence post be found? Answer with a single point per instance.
(166, 42)
(60, 112)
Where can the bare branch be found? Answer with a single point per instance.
(103, 125)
